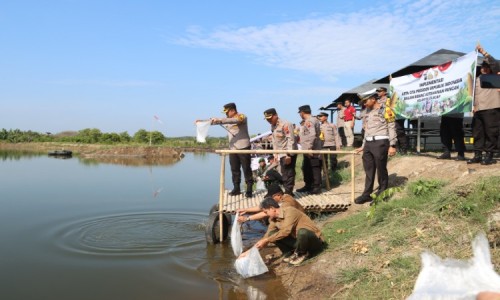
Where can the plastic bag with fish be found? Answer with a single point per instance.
(442, 279)
(251, 265)
(236, 241)
(202, 131)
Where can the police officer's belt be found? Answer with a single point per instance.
(376, 138)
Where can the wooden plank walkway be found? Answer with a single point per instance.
(328, 201)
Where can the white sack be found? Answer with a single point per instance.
(442, 279)
(202, 131)
(251, 265)
(236, 241)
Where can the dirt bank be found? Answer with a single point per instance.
(318, 278)
(95, 151)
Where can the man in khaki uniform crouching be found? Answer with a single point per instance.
(292, 231)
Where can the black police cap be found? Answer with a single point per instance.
(229, 106)
(269, 113)
(305, 108)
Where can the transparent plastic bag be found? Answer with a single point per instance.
(260, 186)
(251, 265)
(236, 241)
(442, 279)
(202, 131)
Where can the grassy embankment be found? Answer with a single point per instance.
(381, 247)
(185, 143)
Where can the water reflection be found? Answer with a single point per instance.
(6, 155)
(133, 161)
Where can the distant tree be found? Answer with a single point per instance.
(125, 137)
(157, 138)
(4, 134)
(109, 138)
(141, 136)
(89, 136)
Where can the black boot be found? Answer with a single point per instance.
(460, 157)
(476, 159)
(249, 194)
(445, 155)
(236, 191)
(305, 189)
(488, 159)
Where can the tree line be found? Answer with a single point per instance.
(95, 136)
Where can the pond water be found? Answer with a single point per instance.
(79, 229)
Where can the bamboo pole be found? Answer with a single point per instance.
(221, 193)
(227, 151)
(352, 178)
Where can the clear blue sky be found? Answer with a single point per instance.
(113, 65)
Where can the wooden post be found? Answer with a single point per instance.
(418, 135)
(221, 194)
(352, 178)
(325, 170)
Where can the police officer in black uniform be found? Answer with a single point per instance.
(379, 143)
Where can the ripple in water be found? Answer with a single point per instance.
(132, 234)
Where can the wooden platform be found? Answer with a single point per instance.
(328, 201)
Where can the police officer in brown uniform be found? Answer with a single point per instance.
(330, 138)
(379, 143)
(309, 140)
(237, 127)
(283, 139)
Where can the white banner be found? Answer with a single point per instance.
(443, 89)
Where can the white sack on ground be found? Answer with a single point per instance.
(236, 241)
(251, 265)
(202, 131)
(457, 279)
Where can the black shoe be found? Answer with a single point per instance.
(248, 194)
(304, 189)
(445, 155)
(403, 151)
(235, 192)
(363, 199)
(488, 159)
(460, 158)
(315, 191)
(476, 159)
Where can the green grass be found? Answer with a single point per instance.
(341, 175)
(427, 215)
